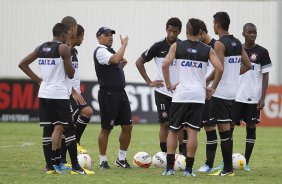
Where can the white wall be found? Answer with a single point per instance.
(26, 24)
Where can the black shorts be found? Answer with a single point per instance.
(163, 103)
(249, 113)
(187, 115)
(206, 114)
(76, 108)
(221, 110)
(114, 108)
(55, 112)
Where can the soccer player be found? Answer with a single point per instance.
(189, 96)
(209, 127)
(249, 102)
(158, 51)
(113, 101)
(232, 55)
(81, 111)
(54, 106)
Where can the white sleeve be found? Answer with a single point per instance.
(103, 56)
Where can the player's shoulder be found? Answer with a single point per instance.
(260, 48)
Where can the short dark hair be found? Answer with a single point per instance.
(248, 24)
(193, 26)
(59, 29)
(175, 22)
(203, 27)
(223, 19)
(80, 30)
(69, 21)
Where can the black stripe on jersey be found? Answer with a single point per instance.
(259, 55)
(233, 46)
(158, 49)
(49, 50)
(192, 50)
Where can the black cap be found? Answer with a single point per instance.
(104, 30)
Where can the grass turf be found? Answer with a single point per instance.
(22, 161)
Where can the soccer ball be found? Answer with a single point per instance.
(84, 161)
(142, 159)
(239, 161)
(159, 160)
(180, 162)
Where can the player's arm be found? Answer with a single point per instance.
(265, 78)
(65, 53)
(218, 68)
(118, 56)
(25, 62)
(246, 62)
(219, 49)
(77, 97)
(165, 67)
(141, 68)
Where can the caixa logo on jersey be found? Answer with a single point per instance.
(191, 64)
(234, 60)
(44, 61)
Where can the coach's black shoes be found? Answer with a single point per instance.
(122, 164)
(104, 165)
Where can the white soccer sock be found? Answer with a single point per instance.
(103, 158)
(122, 154)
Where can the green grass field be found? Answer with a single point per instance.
(22, 161)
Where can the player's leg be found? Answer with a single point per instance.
(81, 123)
(45, 122)
(252, 117)
(191, 150)
(163, 104)
(175, 122)
(108, 110)
(124, 119)
(221, 112)
(184, 142)
(180, 141)
(193, 121)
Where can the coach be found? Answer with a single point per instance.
(113, 100)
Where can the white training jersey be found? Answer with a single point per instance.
(158, 51)
(191, 62)
(228, 85)
(76, 78)
(55, 82)
(250, 83)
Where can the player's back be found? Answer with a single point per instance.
(191, 61)
(228, 84)
(55, 83)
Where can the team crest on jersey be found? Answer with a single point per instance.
(193, 51)
(164, 114)
(191, 64)
(46, 49)
(233, 44)
(253, 57)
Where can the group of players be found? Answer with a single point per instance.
(63, 112)
(203, 82)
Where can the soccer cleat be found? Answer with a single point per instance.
(204, 168)
(188, 174)
(222, 173)
(49, 171)
(219, 167)
(104, 165)
(80, 149)
(82, 171)
(58, 169)
(170, 172)
(66, 167)
(122, 164)
(246, 168)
